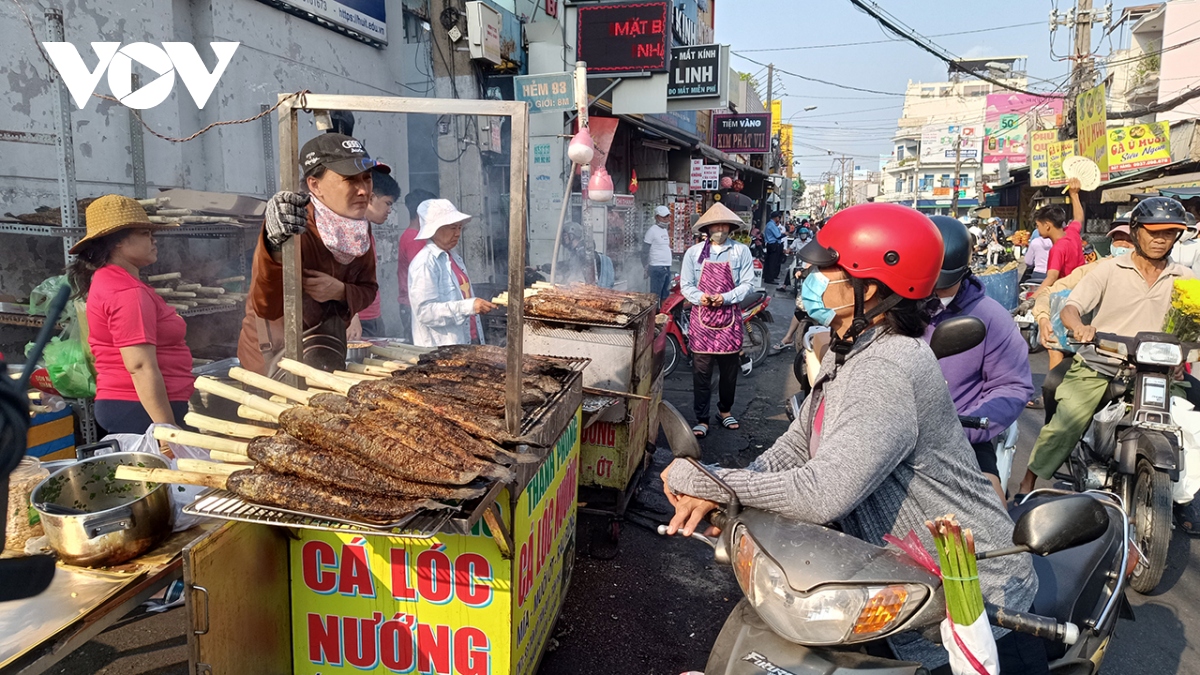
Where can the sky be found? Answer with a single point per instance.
(861, 124)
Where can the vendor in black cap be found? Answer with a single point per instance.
(335, 243)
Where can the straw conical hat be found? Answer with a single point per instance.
(719, 213)
(112, 213)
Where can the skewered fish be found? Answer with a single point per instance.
(475, 422)
(459, 356)
(488, 396)
(283, 454)
(290, 492)
(338, 432)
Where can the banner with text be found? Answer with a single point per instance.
(937, 141)
(1139, 146)
(1056, 152)
(1007, 121)
(1091, 121)
(1039, 156)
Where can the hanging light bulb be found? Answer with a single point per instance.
(600, 186)
(581, 150)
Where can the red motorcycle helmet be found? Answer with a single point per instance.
(898, 246)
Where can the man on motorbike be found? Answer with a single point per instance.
(1128, 294)
(877, 448)
(993, 379)
(714, 277)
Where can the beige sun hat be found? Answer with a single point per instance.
(113, 213)
(717, 214)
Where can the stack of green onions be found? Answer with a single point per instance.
(960, 574)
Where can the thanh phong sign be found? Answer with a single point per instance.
(749, 133)
(625, 37)
(695, 72)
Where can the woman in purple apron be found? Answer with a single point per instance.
(716, 275)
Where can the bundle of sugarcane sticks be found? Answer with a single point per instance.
(960, 573)
(359, 446)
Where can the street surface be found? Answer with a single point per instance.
(656, 607)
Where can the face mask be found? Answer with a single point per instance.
(718, 238)
(1120, 250)
(812, 296)
(946, 301)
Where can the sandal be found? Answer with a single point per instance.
(700, 430)
(780, 346)
(1036, 404)
(730, 422)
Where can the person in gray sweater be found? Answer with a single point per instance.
(878, 448)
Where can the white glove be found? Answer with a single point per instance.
(286, 216)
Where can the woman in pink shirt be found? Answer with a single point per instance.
(143, 364)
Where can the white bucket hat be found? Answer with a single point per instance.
(436, 214)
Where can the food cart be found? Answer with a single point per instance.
(471, 589)
(623, 385)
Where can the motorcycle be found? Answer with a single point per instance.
(1144, 459)
(1023, 315)
(810, 590)
(756, 338)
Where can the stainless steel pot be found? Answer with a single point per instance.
(92, 519)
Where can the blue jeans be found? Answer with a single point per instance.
(660, 281)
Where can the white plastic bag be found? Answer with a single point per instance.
(181, 495)
(972, 648)
(1101, 436)
(1187, 418)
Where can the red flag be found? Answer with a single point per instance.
(633, 182)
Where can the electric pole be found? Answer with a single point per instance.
(1081, 71)
(769, 164)
(957, 171)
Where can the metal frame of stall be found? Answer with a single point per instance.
(291, 105)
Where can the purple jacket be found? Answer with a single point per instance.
(993, 379)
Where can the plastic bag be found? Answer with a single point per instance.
(1058, 300)
(43, 293)
(1101, 436)
(1187, 418)
(70, 371)
(181, 495)
(972, 648)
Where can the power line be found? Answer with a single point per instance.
(813, 79)
(894, 25)
(876, 42)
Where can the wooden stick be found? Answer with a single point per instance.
(178, 306)
(200, 440)
(210, 468)
(209, 290)
(141, 473)
(385, 365)
(246, 412)
(164, 277)
(187, 287)
(211, 386)
(228, 280)
(219, 426)
(318, 377)
(405, 354)
(354, 375)
(229, 457)
(267, 384)
(610, 392)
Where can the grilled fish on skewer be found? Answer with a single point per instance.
(290, 492)
(337, 432)
(474, 422)
(287, 455)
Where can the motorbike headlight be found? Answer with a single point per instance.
(1159, 354)
(829, 615)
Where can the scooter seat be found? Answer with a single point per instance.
(752, 299)
(1071, 583)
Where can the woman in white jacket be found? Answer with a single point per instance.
(445, 309)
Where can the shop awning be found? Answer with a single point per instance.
(724, 158)
(1180, 193)
(1126, 192)
(664, 131)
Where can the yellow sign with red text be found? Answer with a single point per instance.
(1091, 119)
(1139, 146)
(448, 605)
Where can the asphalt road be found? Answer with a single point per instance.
(653, 605)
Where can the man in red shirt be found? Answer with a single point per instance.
(410, 246)
(1066, 253)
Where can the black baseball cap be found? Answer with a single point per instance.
(339, 153)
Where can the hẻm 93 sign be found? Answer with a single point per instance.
(546, 93)
(625, 37)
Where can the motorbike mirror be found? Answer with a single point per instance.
(957, 335)
(1060, 524)
(679, 433)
